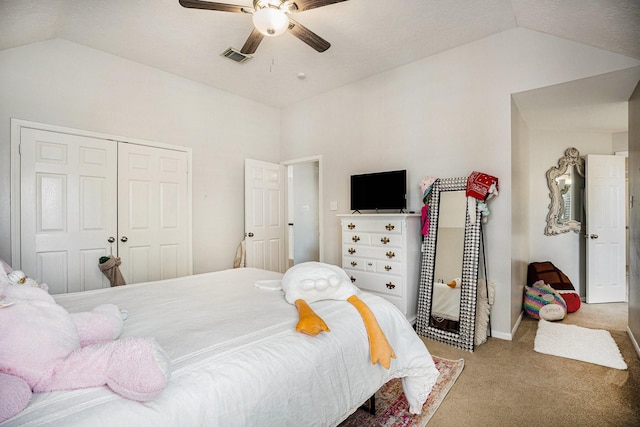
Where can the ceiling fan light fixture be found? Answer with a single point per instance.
(270, 21)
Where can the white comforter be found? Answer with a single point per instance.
(237, 360)
(446, 302)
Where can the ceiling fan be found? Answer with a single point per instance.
(271, 18)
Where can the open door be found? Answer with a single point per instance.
(264, 215)
(303, 201)
(605, 231)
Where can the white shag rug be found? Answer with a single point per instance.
(574, 342)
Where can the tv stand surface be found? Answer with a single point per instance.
(376, 214)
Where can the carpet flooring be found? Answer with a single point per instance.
(392, 409)
(507, 383)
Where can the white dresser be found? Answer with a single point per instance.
(381, 254)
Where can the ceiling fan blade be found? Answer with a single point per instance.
(207, 5)
(308, 36)
(300, 5)
(252, 43)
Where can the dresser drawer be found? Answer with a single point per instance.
(392, 226)
(371, 265)
(388, 267)
(357, 263)
(356, 238)
(387, 240)
(372, 252)
(388, 284)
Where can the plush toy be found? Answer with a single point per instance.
(554, 277)
(313, 281)
(541, 301)
(44, 348)
(455, 283)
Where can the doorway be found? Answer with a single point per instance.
(304, 213)
(293, 222)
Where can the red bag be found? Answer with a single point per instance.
(478, 185)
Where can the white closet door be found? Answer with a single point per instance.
(68, 208)
(153, 213)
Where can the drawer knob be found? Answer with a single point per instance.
(385, 240)
(355, 238)
(387, 267)
(353, 263)
(389, 227)
(390, 254)
(351, 226)
(390, 285)
(351, 251)
(353, 279)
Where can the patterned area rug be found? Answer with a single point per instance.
(392, 409)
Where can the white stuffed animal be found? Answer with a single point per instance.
(309, 282)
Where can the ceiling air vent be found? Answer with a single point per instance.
(235, 55)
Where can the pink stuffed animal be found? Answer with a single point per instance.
(45, 348)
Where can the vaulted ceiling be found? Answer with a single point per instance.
(367, 36)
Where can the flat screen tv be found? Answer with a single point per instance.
(380, 190)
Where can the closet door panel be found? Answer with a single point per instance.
(67, 207)
(153, 220)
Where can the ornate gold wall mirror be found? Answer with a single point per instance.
(566, 190)
(450, 252)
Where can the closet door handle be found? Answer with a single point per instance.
(123, 239)
(111, 239)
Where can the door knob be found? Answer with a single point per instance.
(594, 236)
(250, 234)
(123, 239)
(111, 239)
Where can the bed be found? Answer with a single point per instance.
(237, 360)
(445, 312)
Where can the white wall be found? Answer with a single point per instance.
(65, 84)
(634, 190)
(620, 141)
(445, 116)
(520, 208)
(563, 250)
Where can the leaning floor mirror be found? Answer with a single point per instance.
(449, 275)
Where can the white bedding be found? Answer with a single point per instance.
(237, 360)
(446, 302)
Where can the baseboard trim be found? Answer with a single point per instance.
(502, 336)
(507, 336)
(633, 341)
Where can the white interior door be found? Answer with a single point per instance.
(264, 207)
(68, 208)
(605, 229)
(153, 214)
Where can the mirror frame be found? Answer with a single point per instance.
(465, 337)
(571, 158)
